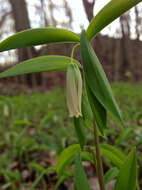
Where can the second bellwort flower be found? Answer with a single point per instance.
(74, 90)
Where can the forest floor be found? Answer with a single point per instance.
(35, 128)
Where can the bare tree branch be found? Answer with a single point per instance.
(89, 8)
(4, 18)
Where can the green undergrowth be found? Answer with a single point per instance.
(34, 127)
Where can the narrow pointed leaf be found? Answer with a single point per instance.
(80, 179)
(128, 173)
(39, 64)
(110, 175)
(36, 182)
(80, 131)
(38, 36)
(87, 112)
(67, 174)
(98, 110)
(116, 156)
(109, 13)
(96, 79)
(123, 136)
(113, 154)
(66, 157)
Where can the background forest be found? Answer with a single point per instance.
(119, 52)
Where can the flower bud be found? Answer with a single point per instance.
(74, 90)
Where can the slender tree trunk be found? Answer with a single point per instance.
(124, 45)
(89, 6)
(20, 15)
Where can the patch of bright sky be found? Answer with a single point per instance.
(80, 19)
(79, 16)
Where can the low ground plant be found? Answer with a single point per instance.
(44, 134)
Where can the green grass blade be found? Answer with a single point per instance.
(36, 182)
(80, 131)
(110, 175)
(96, 79)
(65, 176)
(38, 36)
(109, 13)
(123, 136)
(66, 157)
(80, 179)
(39, 64)
(128, 173)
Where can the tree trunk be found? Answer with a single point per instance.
(89, 8)
(20, 15)
(124, 45)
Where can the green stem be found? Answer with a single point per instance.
(99, 165)
(73, 49)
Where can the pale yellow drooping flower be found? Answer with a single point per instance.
(74, 90)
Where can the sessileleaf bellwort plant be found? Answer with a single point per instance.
(89, 98)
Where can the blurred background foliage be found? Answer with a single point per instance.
(118, 46)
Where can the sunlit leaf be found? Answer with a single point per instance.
(109, 13)
(39, 64)
(38, 36)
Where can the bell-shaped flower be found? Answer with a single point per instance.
(74, 90)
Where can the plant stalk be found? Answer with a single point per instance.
(99, 165)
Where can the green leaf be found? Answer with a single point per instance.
(87, 156)
(80, 179)
(110, 175)
(113, 154)
(109, 13)
(87, 112)
(96, 79)
(36, 182)
(123, 136)
(39, 64)
(66, 157)
(66, 175)
(23, 123)
(80, 130)
(128, 173)
(38, 36)
(98, 110)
